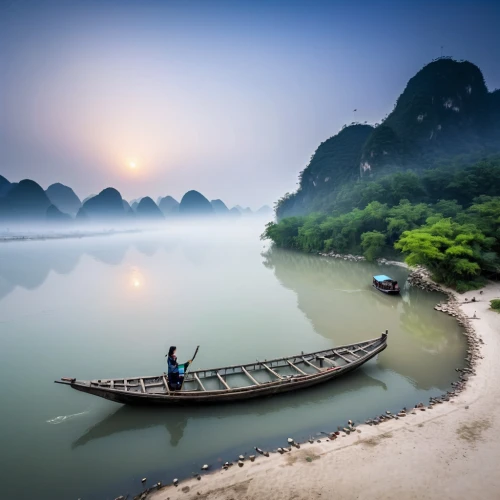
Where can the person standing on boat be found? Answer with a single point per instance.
(175, 370)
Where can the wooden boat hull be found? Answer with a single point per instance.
(280, 385)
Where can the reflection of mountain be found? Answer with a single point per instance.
(28, 264)
(175, 419)
(338, 299)
(324, 286)
(29, 268)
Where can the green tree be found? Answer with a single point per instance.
(405, 216)
(373, 244)
(310, 235)
(449, 250)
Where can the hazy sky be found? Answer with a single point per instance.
(227, 97)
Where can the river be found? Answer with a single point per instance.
(103, 307)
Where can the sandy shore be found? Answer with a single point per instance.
(451, 451)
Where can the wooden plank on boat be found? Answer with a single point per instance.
(165, 382)
(296, 367)
(343, 357)
(310, 364)
(351, 352)
(199, 382)
(223, 381)
(366, 347)
(142, 385)
(328, 360)
(369, 345)
(270, 370)
(249, 376)
(361, 349)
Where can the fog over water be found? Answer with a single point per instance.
(110, 306)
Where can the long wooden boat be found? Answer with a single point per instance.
(238, 382)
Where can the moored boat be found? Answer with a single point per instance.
(238, 382)
(386, 284)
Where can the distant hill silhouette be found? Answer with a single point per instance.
(53, 214)
(5, 186)
(59, 203)
(219, 207)
(64, 198)
(243, 211)
(88, 198)
(194, 203)
(148, 209)
(168, 205)
(264, 210)
(107, 204)
(24, 201)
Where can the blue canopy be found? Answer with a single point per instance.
(382, 277)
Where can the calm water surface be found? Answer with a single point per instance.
(111, 307)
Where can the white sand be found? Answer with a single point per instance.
(449, 452)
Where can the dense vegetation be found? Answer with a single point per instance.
(446, 218)
(423, 184)
(495, 305)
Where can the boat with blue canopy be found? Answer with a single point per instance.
(386, 284)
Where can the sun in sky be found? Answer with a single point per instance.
(136, 278)
(132, 164)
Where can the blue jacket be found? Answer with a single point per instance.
(174, 368)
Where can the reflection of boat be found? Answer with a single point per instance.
(385, 284)
(175, 420)
(238, 382)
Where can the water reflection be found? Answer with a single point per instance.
(175, 420)
(338, 299)
(125, 299)
(28, 264)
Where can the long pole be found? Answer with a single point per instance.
(192, 359)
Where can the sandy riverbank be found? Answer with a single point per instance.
(451, 451)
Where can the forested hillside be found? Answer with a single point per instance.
(423, 184)
(444, 113)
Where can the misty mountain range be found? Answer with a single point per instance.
(28, 201)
